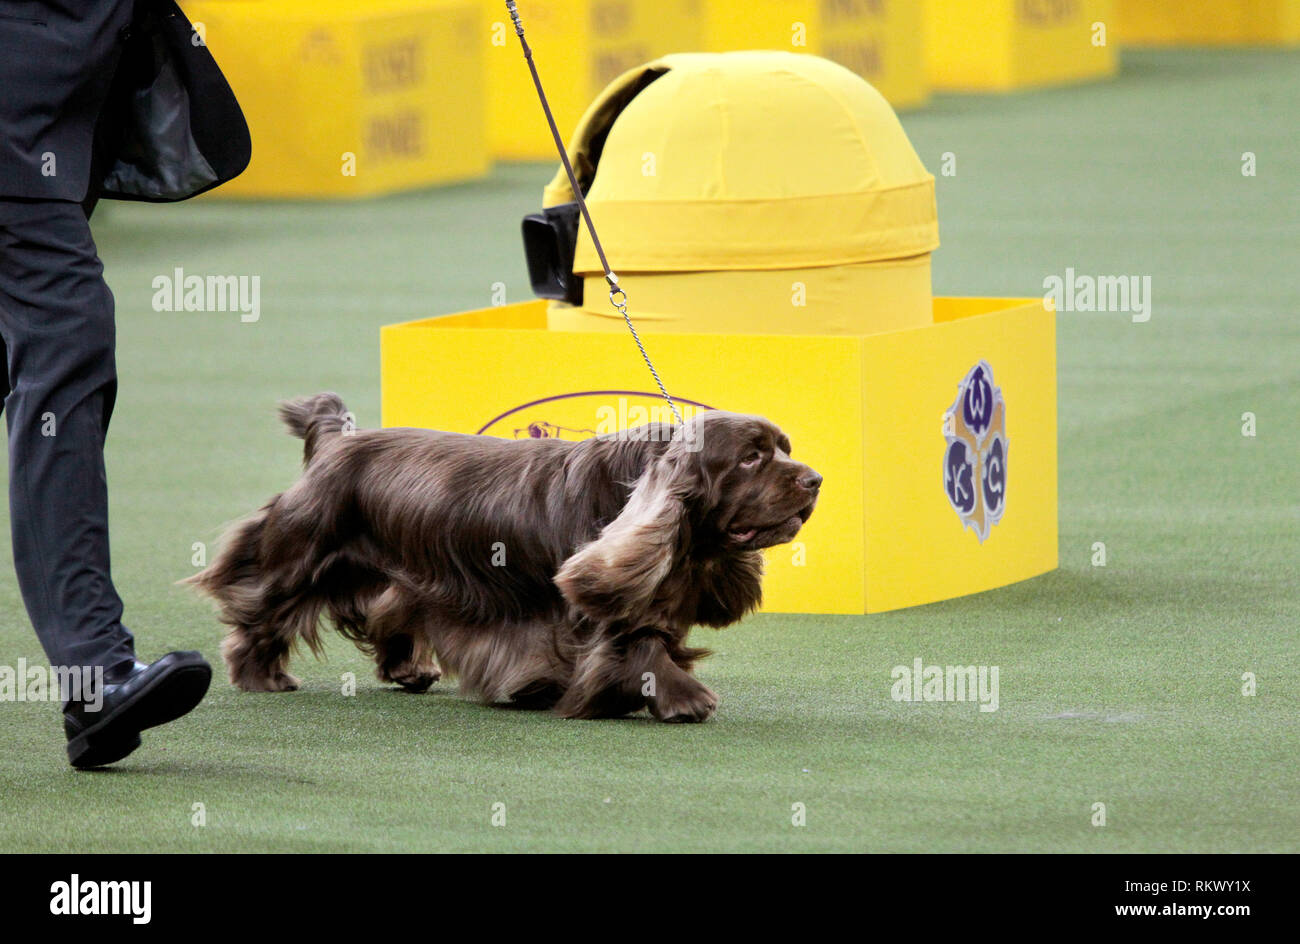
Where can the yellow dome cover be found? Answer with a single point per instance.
(747, 160)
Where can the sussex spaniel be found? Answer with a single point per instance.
(543, 572)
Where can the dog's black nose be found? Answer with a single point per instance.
(811, 480)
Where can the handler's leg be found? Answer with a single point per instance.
(56, 318)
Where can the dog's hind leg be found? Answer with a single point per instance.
(407, 659)
(395, 631)
(257, 660)
(268, 605)
(257, 652)
(538, 695)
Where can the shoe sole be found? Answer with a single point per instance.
(166, 698)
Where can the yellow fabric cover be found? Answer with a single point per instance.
(761, 160)
(719, 163)
(841, 300)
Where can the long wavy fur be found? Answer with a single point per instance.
(541, 572)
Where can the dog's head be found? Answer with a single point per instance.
(725, 486)
(749, 493)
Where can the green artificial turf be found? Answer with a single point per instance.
(1119, 685)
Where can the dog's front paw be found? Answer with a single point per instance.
(684, 703)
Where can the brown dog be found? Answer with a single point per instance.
(545, 572)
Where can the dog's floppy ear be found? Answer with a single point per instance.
(617, 574)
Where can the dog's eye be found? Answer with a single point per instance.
(751, 460)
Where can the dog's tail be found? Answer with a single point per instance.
(310, 418)
(236, 573)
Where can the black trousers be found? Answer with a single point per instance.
(57, 339)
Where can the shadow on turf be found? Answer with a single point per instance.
(1103, 593)
(449, 697)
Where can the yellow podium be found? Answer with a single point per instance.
(938, 443)
(1209, 22)
(348, 98)
(882, 42)
(1002, 45)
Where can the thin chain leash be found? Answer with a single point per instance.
(617, 296)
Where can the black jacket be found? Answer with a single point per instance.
(95, 101)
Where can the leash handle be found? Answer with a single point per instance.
(617, 296)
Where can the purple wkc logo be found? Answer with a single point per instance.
(975, 460)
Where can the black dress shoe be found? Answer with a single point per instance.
(145, 697)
